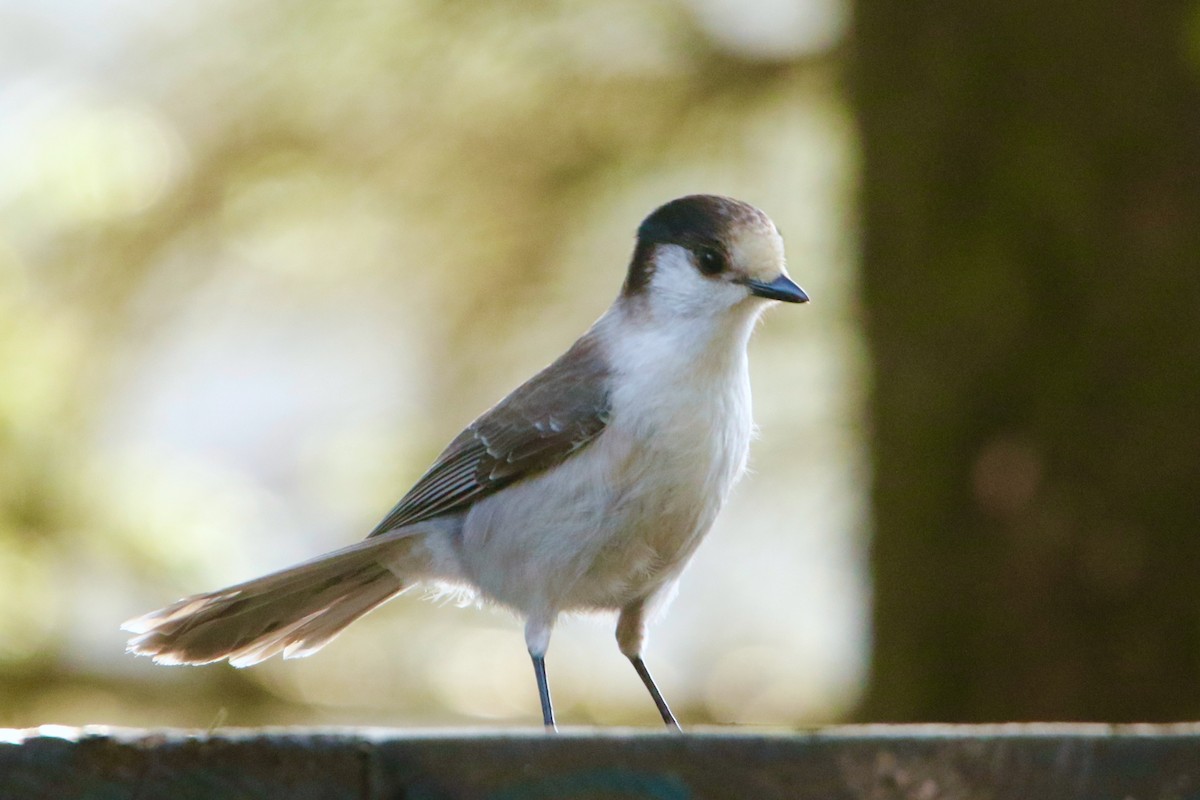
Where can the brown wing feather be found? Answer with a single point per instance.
(549, 417)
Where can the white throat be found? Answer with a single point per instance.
(681, 321)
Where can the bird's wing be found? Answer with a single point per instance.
(545, 420)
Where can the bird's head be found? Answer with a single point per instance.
(704, 255)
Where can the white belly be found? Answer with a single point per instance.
(619, 520)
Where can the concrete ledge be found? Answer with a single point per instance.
(1021, 762)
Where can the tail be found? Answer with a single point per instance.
(295, 611)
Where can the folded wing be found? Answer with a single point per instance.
(551, 416)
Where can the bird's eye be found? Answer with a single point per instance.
(710, 261)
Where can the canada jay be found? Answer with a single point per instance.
(586, 489)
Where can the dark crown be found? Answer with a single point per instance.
(694, 222)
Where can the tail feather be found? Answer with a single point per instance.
(295, 611)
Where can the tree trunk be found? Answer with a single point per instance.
(1031, 205)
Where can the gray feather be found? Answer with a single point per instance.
(552, 415)
(295, 611)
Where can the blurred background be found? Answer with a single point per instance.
(260, 261)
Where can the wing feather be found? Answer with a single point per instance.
(552, 415)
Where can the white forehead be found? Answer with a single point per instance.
(756, 248)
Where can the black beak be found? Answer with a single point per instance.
(782, 288)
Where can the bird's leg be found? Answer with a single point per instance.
(631, 635)
(663, 708)
(537, 639)
(539, 671)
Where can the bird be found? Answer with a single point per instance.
(587, 489)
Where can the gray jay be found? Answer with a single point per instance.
(586, 489)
